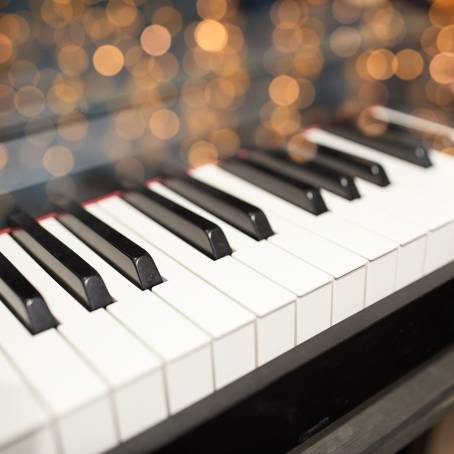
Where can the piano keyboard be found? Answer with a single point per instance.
(123, 311)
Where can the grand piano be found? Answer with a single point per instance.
(225, 226)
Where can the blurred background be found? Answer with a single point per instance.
(135, 82)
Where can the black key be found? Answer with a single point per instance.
(204, 235)
(246, 217)
(23, 300)
(348, 164)
(123, 254)
(309, 172)
(65, 266)
(290, 189)
(403, 146)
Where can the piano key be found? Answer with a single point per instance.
(407, 148)
(229, 325)
(119, 358)
(197, 231)
(313, 292)
(75, 396)
(73, 273)
(123, 254)
(184, 348)
(25, 427)
(347, 163)
(347, 269)
(291, 190)
(412, 239)
(309, 172)
(416, 190)
(273, 306)
(412, 122)
(132, 371)
(244, 216)
(23, 299)
(380, 252)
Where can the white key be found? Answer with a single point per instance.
(312, 287)
(406, 198)
(119, 358)
(273, 306)
(381, 268)
(25, 425)
(188, 368)
(412, 239)
(230, 326)
(76, 398)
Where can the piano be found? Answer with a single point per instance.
(203, 249)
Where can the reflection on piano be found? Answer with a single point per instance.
(205, 246)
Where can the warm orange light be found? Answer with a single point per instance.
(211, 35)
(202, 152)
(345, 41)
(212, 9)
(108, 60)
(3, 156)
(442, 68)
(441, 12)
(6, 48)
(72, 59)
(445, 39)
(29, 101)
(121, 13)
(164, 124)
(284, 90)
(58, 160)
(408, 64)
(169, 17)
(155, 40)
(379, 64)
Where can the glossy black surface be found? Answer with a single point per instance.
(290, 189)
(122, 253)
(204, 235)
(309, 172)
(23, 300)
(246, 217)
(403, 146)
(348, 164)
(64, 265)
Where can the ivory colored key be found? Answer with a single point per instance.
(273, 306)
(25, 424)
(188, 367)
(75, 396)
(314, 290)
(121, 360)
(347, 269)
(230, 326)
(414, 191)
(380, 252)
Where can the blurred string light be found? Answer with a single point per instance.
(187, 80)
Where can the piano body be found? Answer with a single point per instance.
(226, 226)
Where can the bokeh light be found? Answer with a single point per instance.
(108, 60)
(155, 40)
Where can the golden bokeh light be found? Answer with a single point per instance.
(211, 9)
(441, 12)
(408, 64)
(129, 124)
(202, 152)
(226, 141)
(289, 13)
(6, 48)
(121, 13)
(442, 68)
(108, 60)
(345, 41)
(72, 59)
(169, 17)
(164, 124)
(210, 35)
(379, 64)
(15, 27)
(3, 156)
(445, 39)
(155, 40)
(58, 160)
(284, 90)
(29, 101)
